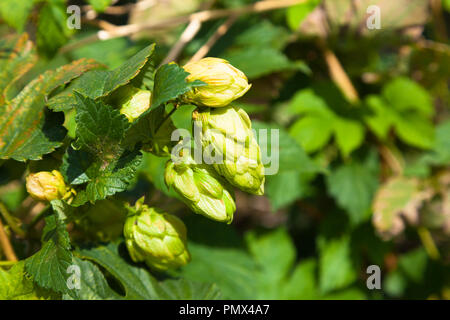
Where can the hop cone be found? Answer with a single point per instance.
(203, 191)
(156, 238)
(224, 82)
(227, 131)
(131, 101)
(47, 186)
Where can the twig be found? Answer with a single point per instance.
(6, 245)
(7, 263)
(213, 39)
(428, 243)
(187, 35)
(338, 74)
(439, 22)
(175, 108)
(391, 159)
(10, 220)
(201, 16)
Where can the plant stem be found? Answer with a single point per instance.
(10, 220)
(201, 16)
(165, 118)
(428, 243)
(7, 263)
(6, 244)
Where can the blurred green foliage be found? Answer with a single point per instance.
(345, 166)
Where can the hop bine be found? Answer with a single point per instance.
(155, 237)
(48, 186)
(227, 133)
(201, 189)
(224, 82)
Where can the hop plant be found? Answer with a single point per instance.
(224, 82)
(132, 101)
(156, 238)
(201, 189)
(48, 186)
(228, 132)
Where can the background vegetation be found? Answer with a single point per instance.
(364, 172)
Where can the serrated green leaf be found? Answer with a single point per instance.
(335, 266)
(232, 269)
(349, 135)
(92, 285)
(311, 132)
(17, 58)
(353, 186)
(15, 13)
(153, 131)
(182, 289)
(100, 83)
(263, 34)
(52, 29)
(136, 281)
(256, 62)
(27, 129)
(285, 187)
(102, 161)
(170, 83)
(319, 123)
(404, 94)
(415, 130)
(272, 246)
(413, 264)
(302, 283)
(100, 128)
(296, 14)
(291, 156)
(100, 5)
(16, 285)
(48, 266)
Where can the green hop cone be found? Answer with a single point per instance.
(228, 133)
(47, 186)
(131, 101)
(201, 189)
(224, 82)
(156, 238)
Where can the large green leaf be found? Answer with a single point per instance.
(170, 83)
(256, 62)
(335, 265)
(100, 160)
(100, 83)
(406, 107)
(232, 269)
(27, 130)
(353, 186)
(16, 58)
(138, 283)
(319, 122)
(99, 5)
(92, 284)
(15, 13)
(17, 286)
(48, 266)
(52, 30)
